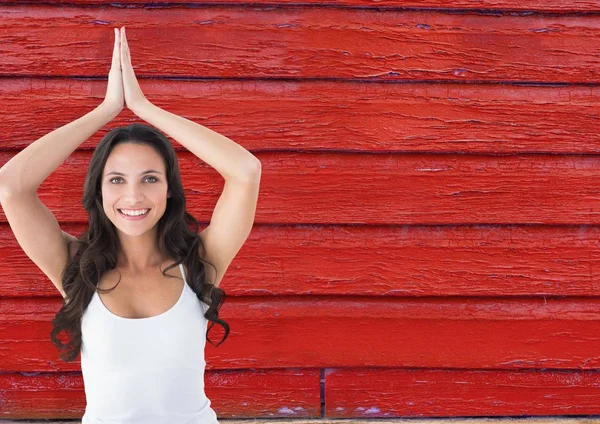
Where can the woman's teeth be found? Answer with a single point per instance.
(136, 213)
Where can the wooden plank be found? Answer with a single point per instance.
(524, 7)
(293, 393)
(387, 393)
(365, 394)
(353, 117)
(315, 188)
(335, 331)
(467, 343)
(299, 43)
(380, 261)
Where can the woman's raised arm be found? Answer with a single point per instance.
(28, 169)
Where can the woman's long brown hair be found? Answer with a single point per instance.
(98, 247)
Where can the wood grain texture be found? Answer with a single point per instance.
(379, 261)
(367, 394)
(354, 117)
(233, 394)
(333, 331)
(308, 43)
(426, 239)
(317, 188)
(382, 393)
(558, 6)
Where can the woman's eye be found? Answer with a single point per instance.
(119, 178)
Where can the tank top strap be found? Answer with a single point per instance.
(188, 288)
(183, 273)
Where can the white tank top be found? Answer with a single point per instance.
(146, 370)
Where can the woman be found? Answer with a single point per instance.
(141, 332)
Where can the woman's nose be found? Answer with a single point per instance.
(133, 191)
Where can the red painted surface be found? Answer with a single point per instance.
(468, 5)
(504, 337)
(338, 188)
(421, 249)
(280, 332)
(296, 43)
(394, 262)
(384, 393)
(234, 394)
(355, 117)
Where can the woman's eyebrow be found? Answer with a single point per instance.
(143, 173)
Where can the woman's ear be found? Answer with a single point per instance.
(169, 193)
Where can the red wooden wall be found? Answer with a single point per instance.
(426, 240)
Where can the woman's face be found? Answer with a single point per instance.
(126, 184)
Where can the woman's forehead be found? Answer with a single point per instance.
(133, 158)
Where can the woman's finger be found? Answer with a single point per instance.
(125, 47)
(114, 90)
(116, 59)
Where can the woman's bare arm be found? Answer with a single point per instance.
(28, 169)
(29, 219)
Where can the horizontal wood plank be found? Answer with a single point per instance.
(525, 7)
(293, 393)
(342, 332)
(361, 394)
(382, 189)
(378, 261)
(385, 393)
(353, 117)
(301, 43)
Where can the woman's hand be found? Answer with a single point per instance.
(114, 98)
(134, 97)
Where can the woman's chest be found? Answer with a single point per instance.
(140, 296)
